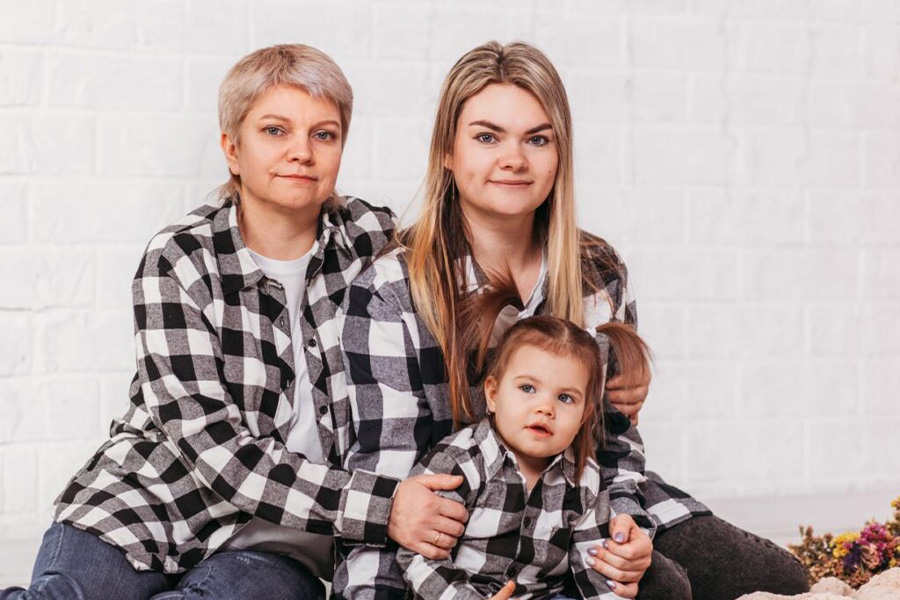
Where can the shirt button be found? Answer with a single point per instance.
(526, 521)
(312, 343)
(281, 321)
(512, 571)
(323, 410)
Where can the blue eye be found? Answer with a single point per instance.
(527, 388)
(565, 399)
(486, 138)
(538, 140)
(324, 135)
(274, 131)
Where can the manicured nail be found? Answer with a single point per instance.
(619, 537)
(611, 584)
(605, 544)
(590, 561)
(592, 551)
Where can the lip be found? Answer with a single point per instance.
(299, 178)
(540, 429)
(511, 182)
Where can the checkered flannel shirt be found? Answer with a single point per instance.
(200, 450)
(534, 538)
(400, 410)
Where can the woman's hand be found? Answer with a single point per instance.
(623, 559)
(628, 400)
(505, 592)
(423, 521)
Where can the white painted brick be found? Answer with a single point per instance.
(392, 90)
(104, 211)
(775, 46)
(204, 76)
(99, 23)
(30, 23)
(455, 31)
(20, 479)
(860, 104)
(882, 160)
(770, 217)
(836, 50)
(882, 47)
(880, 213)
(65, 277)
(767, 9)
(358, 157)
(748, 100)
(698, 44)
(404, 160)
(680, 274)
(403, 32)
(659, 96)
(73, 408)
(664, 446)
(667, 400)
(115, 267)
(770, 331)
(114, 399)
(206, 26)
(881, 273)
(790, 275)
(115, 82)
(880, 321)
(835, 329)
(342, 29)
(712, 331)
(770, 156)
(835, 448)
(793, 389)
(186, 146)
(880, 450)
(712, 390)
(598, 96)
(79, 342)
(848, 10)
(833, 386)
(834, 217)
(58, 462)
(880, 382)
(22, 414)
(51, 144)
(21, 78)
(833, 160)
(16, 347)
(20, 291)
(598, 154)
(668, 155)
(663, 327)
(14, 221)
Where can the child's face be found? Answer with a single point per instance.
(539, 402)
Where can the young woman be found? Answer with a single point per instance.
(499, 198)
(223, 477)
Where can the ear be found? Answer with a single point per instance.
(490, 393)
(448, 161)
(230, 149)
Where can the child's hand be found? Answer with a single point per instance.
(506, 592)
(623, 559)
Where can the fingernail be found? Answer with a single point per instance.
(619, 537)
(605, 544)
(611, 584)
(592, 551)
(590, 561)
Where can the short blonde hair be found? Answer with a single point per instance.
(294, 65)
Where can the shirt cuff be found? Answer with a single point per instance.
(366, 508)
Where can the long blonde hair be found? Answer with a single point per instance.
(438, 239)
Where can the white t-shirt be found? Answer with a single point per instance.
(311, 549)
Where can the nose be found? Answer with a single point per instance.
(300, 150)
(514, 159)
(546, 407)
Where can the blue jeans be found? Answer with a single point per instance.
(76, 565)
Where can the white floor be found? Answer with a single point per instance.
(776, 518)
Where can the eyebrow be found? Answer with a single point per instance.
(498, 129)
(286, 120)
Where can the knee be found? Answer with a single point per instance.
(51, 586)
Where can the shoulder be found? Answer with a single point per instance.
(458, 452)
(387, 275)
(600, 261)
(367, 228)
(190, 239)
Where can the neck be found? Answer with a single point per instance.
(278, 234)
(531, 468)
(499, 245)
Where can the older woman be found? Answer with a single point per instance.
(221, 479)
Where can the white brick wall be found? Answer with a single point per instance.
(743, 156)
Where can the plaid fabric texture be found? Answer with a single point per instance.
(200, 450)
(534, 538)
(397, 388)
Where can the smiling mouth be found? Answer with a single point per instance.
(511, 183)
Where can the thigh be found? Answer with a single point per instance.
(247, 575)
(724, 562)
(664, 580)
(75, 565)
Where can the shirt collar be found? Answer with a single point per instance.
(495, 454)
(237, 268)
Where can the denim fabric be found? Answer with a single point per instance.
(76, 565)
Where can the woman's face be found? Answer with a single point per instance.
(504, 155)
(289, 151)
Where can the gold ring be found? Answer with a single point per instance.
(437, 538)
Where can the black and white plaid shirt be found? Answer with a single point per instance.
(398, 397)
(201, 449)
(535, 538)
